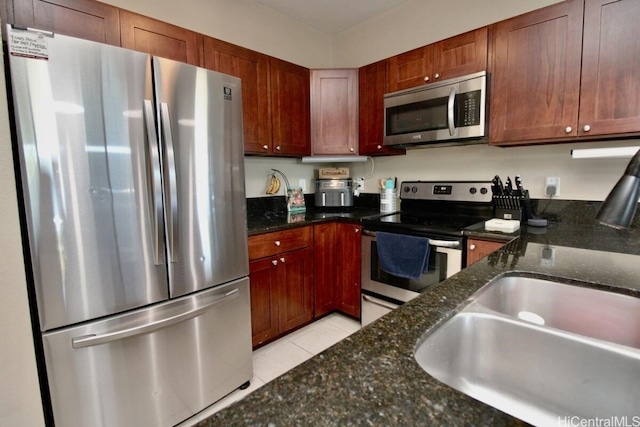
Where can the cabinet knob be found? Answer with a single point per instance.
(436, 76)
(426, 78)
(352, 149)
(277, 242)
(568, 129)
(379, 147)
(274, 262)
(265, 147)
(586, 128)
(278, 147)
(472, 247)
(282, 259)
(357, 230)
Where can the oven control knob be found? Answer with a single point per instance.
(473, 190)
(406, 189)
(414, 189)
(484, 190)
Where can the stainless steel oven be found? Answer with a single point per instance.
(382, 292)
(438, 211)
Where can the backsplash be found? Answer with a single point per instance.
(276, 205)
(565, 211)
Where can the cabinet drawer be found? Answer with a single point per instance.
(269, 244)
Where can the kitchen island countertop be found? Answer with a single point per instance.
(372, 378)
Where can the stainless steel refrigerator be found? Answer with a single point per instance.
(133, 183)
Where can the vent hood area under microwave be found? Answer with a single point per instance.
(450, 112)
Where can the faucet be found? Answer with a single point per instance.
(620, 206)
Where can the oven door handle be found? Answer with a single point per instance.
(379, 302)
(432, 242)
(444, 243)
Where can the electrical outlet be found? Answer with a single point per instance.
(358, 186)
(303, 184)
(552, 186)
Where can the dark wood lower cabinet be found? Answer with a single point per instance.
(337, 268)
(281, 294)
(478, 249)
(264, 312)
(324, 254)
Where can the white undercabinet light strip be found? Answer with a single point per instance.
(334, 159)
(597, 153)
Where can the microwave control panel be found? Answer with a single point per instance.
(468, 110)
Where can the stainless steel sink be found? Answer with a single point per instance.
(541, 372)
(589, 312)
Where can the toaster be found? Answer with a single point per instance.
(332, 193)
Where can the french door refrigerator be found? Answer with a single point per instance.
(133, 186)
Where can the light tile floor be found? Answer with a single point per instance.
(276, 358)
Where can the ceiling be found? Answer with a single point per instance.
(331, 16)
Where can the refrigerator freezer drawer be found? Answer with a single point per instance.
(155, 366)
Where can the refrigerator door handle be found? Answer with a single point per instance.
(153, 166)
(170, 178)
(93, 340)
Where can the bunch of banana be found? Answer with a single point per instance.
(274, 185)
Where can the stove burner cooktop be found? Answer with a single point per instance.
(444, 208)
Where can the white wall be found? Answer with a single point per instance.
(244, 23)
(20, 403)
(580, 179)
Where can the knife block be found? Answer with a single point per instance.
(513, 207)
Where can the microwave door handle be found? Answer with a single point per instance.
(450, 104)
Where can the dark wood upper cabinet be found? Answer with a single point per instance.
(372, 81)
(536, 75)
(253, 69)
(334, 112)
(86, 19)
(461, 55)
(155, 37)
(290, 116)
(610, 89)
(452, 57)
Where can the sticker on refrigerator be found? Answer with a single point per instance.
(227, 93)
(29, 44)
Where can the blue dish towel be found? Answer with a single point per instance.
(402, 255)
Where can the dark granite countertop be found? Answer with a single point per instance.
(371, 377)
(275, 221)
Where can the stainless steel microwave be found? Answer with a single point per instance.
(444, 112)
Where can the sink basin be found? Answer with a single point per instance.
(589, 312)
(554, 362)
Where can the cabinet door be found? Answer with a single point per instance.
(371, 82)
(252, 68)
(324, 267)
(85, 19)
(478, 249)
(409, 69)
(295, 288)
(290, 118)
(610, 91)
(264, 304)
(348, 268)
(536, 75)
(460, 55)
(159, 38)
(334, 112)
